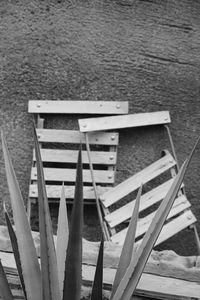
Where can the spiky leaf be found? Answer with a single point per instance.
(98, 277)
(28, 256)
(49, 271)
(5, 291)
(128, 247)
(15, 248)
(130, 280)
(62, 238)
(73, 264)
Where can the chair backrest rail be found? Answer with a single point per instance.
(124, 121)
(69, 175)
(71, 156)
(54, 191)
(74, 137)
(77, 107)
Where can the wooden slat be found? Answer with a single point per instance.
(74, 137)
(78, 107)
(54, 191)
(124, 121)
(180, 204)
(69, 175)
(71, 156)
(148, 199)
(174, 226)
(134, 182)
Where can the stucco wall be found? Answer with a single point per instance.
(144, 52)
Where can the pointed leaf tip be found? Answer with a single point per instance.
(128, 247)
(49, 270)
(28, 256)
(73, 263)
(15, 248)
(62, 238)
(5, 291)
(134, 271)
(97, 287)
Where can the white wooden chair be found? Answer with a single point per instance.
(59, 149)
(163, 170)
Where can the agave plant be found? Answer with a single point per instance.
(59, 275)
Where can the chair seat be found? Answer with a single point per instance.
(117, 219)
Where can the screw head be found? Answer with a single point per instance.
(118, 105)
(109, 176)
(111, 157)
(112, 137)
(38, 105)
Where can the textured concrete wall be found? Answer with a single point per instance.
(146, 52)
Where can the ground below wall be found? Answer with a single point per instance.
(144, 52)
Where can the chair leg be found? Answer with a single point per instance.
(197, 239)
(99, 210)
(172, 144)
(29, 204)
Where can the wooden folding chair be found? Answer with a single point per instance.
(163, 170)
(59, 149)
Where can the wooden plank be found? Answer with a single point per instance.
(134, 182)
(124, 121)
(150, 285)
(173, 227)
(179, 267)
(148, 199)
(54, 191)
(156, 287)
(77, 107)
(69, 175)
(166, 263)
(74, 137)
(71, 156)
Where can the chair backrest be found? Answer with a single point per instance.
(59, 148)
(163, 171)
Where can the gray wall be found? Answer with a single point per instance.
(144, 52)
